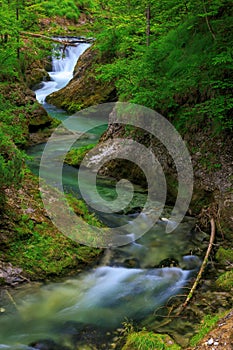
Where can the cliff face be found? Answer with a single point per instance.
(84, 90)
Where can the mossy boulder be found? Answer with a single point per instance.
(84, 90)
(149, 340)
(27, 110)
(224, 256)
(36, 72)
(30, 241)
(225, 281)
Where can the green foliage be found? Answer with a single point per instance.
(11, 161)
(66, 8)
(225, 280)
(40, 249)
(144, 340)
(75, 156)
(206, 325)
(81, 209)
(224, 256)
(41, 253)
(186, 71)
(16, 16)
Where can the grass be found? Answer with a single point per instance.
(145, 340)
(206, 325)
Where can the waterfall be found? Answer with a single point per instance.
(62, 70)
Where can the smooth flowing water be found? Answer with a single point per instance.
(129, 284)
(62, 70)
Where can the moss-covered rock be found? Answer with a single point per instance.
(36, 75)
(225, 281)
(84, 90)
(30, 241)
(26, 111)
(75, 156)
(224, 256)
(148, 340)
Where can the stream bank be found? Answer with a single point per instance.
(31, 246)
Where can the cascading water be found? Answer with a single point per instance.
(107, 295)
(62, 70)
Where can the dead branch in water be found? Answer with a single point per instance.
(11, 299)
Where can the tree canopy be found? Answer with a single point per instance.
(186, 69)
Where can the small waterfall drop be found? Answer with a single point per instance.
(62, 70)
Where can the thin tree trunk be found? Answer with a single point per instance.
(207, 21)
(148, 24)
(17, 18)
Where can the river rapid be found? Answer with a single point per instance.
(130, 283)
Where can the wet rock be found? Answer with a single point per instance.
(169, 262)
(10, 275)
(47, 344)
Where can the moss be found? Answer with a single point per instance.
(35, 245)
(75, 156)
(224, 256)
(206, 325)
(225, 281)
(41, 251)
(144, 340)
(81, 209)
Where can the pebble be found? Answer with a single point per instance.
(210, 341)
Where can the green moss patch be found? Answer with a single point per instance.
(35, 244)
(148, 340)
(224, 256)
(206, 325)
(75, 156)
(225, 281)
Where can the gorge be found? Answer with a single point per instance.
(128, 283)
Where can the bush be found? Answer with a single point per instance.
(11, 161)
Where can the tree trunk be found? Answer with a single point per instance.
(148, 24)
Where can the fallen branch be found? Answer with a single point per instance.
(60, 41)
(212, 236)
(11, 299)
